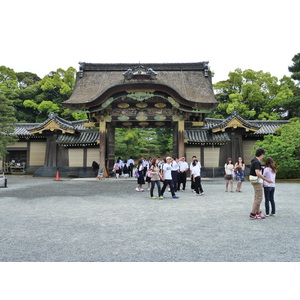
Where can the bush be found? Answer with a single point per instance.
(284, 148)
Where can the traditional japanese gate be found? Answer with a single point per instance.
(134, 95)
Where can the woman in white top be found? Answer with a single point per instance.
(269, 188)
(228, 174)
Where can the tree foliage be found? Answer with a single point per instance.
(33, 97)
(7, 121)
(138, 142)
(284, 148)
(255, 94)
(295, 68)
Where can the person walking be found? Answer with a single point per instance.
(130, 164)
(174, 172)
(140, 179)
(155, 178)
(191, 175)
(197, 178)
(270, 171)
(167, 178)
(239, 169)
(118, 167)
(183, 167)
(228, 174)
(256, 178)
(125, 169)
(148, 174)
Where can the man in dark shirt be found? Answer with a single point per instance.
(255, 170)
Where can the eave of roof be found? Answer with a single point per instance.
(187, 83)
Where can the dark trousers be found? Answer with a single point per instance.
(269, 198)
(198, 185)
(181, 179)
(166, 183)
(153, 183)
(175, 179)
(130, 170)
(192, 183)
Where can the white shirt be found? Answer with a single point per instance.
(145, 163)
(130, 161)
(195, 171)
(228, 169)
(167, 171)
(174, 166)
(198, 164)
(183, 165)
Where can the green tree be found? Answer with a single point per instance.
(295, 68)
(138, 142)
(256, 95)
(34, 99)
(284, 148)
(7, 121)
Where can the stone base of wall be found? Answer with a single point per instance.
(65, 172)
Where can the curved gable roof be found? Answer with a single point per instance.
(189, 83)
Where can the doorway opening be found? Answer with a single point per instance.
(143, 142)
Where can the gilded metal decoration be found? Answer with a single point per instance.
(159, 118)
(141, 105)
(159, 124)
(160, 105)
(123, 105)
(143, 124)
(108, 102)
(173, 102)
(127, 124)
(142, 118)
(140, 96)
(123, 118)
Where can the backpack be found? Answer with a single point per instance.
(116, 167)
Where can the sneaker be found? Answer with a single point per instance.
(202, 193)
(169, 190)
(141, 190)
(272, 215)
(262, 216)
(161, 197)
(255, 217)
(153, 197)
(266, 215)
(148, 189)
(197, 194)
(175, 197)
(137, 189)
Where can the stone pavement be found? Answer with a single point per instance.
(87, 220)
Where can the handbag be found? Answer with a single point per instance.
(253, 179)
(149, 174)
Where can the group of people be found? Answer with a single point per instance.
(123, 167)
(262, 180)
(236, 171)
(172, 172)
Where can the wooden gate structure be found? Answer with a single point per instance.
(176, 95)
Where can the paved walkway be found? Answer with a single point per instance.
(105, 221)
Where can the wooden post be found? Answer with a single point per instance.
(180, 138)
(102, 129)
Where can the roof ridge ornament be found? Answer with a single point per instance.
(140, 72)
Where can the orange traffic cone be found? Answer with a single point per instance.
(57, 176)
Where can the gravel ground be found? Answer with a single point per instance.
(87, 220)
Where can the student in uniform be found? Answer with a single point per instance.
(167, 178)
(174, 172)
(183, 167)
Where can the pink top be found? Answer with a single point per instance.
(268, 173)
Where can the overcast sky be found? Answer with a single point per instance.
(41, 36)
